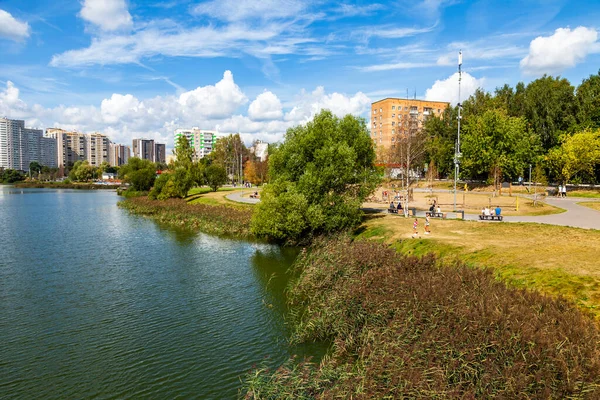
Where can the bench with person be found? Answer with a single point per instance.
(393, 209)
(255, 195)
(435, 214)
(487, 214)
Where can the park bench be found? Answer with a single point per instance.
(434, 214)
(490, 217)
(255, 196)
(393, 210)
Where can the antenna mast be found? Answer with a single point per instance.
(457, 153)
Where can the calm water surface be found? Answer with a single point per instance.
(96, 303)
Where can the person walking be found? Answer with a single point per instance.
(564, 192)
(559, 191)
(427, 232)
(415, 228)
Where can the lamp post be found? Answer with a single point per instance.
(457, 154)
(529, 178)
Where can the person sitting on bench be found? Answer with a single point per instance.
(392, 205)
(399, 206)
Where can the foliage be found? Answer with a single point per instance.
(408, 327)
(319, 177)
(577, 157)
(229, 152)
(442, 137)
(82, 171)
(139, 173)
(217, 220)
(35, 167)
(497, 143)
(215, 176)
(183, 152)
(11, 176)
(255, 171)
(175, 184)
(588, 102)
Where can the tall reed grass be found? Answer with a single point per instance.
(408, 327)
(216, 220)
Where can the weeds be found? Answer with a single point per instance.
(216, 220)
(406, 327)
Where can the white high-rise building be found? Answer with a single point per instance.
(202, 141)
(98, 146)
(119, 154)
(19, 146)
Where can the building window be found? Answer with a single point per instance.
(393, 123)
(374, 111)
(393, 139)
(393, 107)
(380, 110)
(393, 115)
(405, 108)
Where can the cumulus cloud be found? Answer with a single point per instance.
(216, 107)
(447, 89)
(11, 28)
(564, 49)
(266, 106)
(108, 15)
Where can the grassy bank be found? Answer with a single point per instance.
(553, 259)
(409, 327)
(60, 185)
(212, 219)
(591, 204)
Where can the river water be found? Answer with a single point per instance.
(97, 303)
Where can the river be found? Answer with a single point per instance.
(97, 303)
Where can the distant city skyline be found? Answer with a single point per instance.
(146, 68)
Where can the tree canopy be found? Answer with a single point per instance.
(139, 173)
(320, 176)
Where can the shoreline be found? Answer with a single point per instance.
(59, 185)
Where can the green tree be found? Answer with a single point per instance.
(442, 132)
(577, 158)
(197, 173)
(183, 152)
(82, 171)
(588, 102)
(319, 178)
(230, 153)
(35, 168)
(496, 145)
(140, 174)
(549, 105)
(215, 176)
(11, 176)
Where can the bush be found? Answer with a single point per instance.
(215, 176)
(405, 327)
(141, 174)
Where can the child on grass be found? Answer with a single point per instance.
(415, 230)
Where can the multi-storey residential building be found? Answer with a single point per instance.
(144, 149)
(19, 146)
(202, 141)
(48, 152)
(59, 135)
(160, 152)
(118, 154)
(393, 117)
(98, 146)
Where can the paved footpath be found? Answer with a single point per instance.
(575, 215)
(237, 196)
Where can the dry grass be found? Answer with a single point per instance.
(216, 198)
(591, 204)
(557, 260)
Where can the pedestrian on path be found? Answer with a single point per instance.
(415, 228)
(559, 191)
(564, 192)
(427, 232)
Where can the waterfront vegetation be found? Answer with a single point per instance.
(408, 326)
(218, 220)
(64, 185)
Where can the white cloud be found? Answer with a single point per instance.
(239, 10)
(447, 89)
(11, 28)
(216, 101)
(395, 66)
(564, 49)
(108, 15)
(390, 32)
(266, 106)
(124, 116)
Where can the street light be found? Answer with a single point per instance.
(457, 154)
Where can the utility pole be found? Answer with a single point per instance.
(457, 153)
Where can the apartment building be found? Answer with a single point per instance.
(98, 146)
(19, 146)
(202, 141)
(160, 152)
(118, 154)
(393, 117)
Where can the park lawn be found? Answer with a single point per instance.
(204, 195)
(553, 259)
(588, 194)
(591, 204)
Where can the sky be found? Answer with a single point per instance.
(143, 68)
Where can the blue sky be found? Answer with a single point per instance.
(133, 68)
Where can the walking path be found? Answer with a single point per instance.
(237, 196)
(575, 215)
